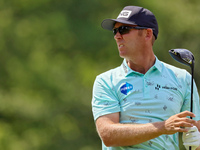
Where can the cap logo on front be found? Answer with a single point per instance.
(134, 15)
(124, 14)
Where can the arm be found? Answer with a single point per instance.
(114, 133)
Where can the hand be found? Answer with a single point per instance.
(191, 138)
(178, 122)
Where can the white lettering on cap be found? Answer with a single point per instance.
(124, 14)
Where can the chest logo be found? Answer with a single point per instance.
(165, 87)
(126, 88)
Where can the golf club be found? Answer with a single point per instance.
(185, 57)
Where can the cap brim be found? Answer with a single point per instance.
(109, 23)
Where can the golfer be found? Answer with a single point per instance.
(144, 103)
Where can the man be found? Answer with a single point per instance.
(144, 103)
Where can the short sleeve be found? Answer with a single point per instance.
(104, 98)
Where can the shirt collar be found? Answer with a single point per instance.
(127, 70)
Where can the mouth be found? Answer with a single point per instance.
(121, 45)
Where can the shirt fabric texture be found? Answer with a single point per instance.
(163, 91)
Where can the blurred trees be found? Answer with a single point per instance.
(51, 52)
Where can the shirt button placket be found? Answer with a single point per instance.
(146, 88)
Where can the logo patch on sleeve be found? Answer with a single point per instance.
(126, 88)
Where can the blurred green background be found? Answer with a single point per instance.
(50, 54)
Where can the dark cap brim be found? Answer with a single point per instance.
(109, 23)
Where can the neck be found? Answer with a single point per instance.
(142, 63)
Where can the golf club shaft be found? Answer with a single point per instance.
(185, 57)
(191, 105)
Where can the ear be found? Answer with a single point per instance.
(149, 33)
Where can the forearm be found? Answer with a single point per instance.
(130, 134)
(114, 133)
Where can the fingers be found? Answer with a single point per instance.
(179, 129)
(185, 114)
(184, 122)
(179, 122)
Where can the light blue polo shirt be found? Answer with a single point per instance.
(145, 98)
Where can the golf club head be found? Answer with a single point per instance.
(183, 56)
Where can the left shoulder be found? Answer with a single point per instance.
(178, 72)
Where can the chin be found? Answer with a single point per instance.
(122, 54)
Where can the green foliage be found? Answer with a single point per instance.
(51, 52)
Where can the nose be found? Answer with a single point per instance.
(117, 36)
